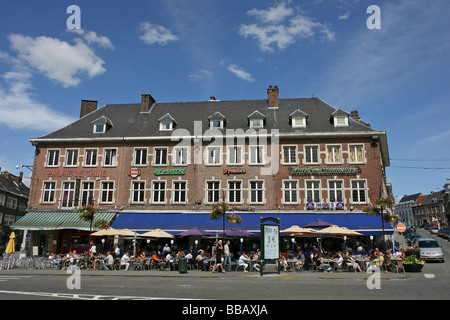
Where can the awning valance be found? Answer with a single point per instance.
(179, 222)
(58, 220)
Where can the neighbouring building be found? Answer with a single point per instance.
(13, 203)
(404, 208)
(161, 165)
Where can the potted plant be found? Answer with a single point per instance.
(413, 252)
(412, 264)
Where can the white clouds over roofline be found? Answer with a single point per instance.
(152, 33)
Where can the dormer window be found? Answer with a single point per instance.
(340, 118)
(256, 120)
(217, 121)
(167, 123)
(298, 119)
(102, 124)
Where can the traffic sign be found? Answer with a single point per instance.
(401, 227)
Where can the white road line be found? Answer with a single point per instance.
(85, 296)
(429, 276)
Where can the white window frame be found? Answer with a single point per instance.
(178, 191)
(213, 190)
(97, 126)
(310, 160)
(289, 147)
(138, 191)
(162, 156)
(358, 189)
(336, 150)
(234, 191)
(109, 192)
(68, 190)
(113, 157)
(299, 122)
(218, 121)
(235, 153)
(256, 191)
(166, 126)
(251, 153)
(340, 121)
(352, 149)
(292, 190)
(333, 190)
(87, 193)
(53, 158)
(213, 156)
(183, 156)
(313, 191)
(254, 125)
(159, 191)
(86, 156)
(73, 158)
(51, 192)
(142, 158)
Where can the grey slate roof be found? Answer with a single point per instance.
(128, 121)
(412, 197)
(18, 189)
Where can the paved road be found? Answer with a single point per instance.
(431, 284)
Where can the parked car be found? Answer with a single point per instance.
(430, 249)
(434, 230)
(446, 235)
(412, 236)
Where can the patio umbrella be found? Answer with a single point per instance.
(107, 232)
(318, 224)
(238, 232)
(298, 231)
(128, 233)
(158, 233)
(195, 232)
(338, 231)
(10, 248)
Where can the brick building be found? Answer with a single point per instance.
(156, 164)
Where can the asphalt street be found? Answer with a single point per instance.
(51, 284)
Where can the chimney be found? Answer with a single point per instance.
(87, 106)
(146, 102)
(272, 96)
(212, 98)
(354, 114)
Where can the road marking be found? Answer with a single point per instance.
(86, 296)
(429, 276)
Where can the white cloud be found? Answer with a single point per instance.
(58, 60)
(201, 74)
(240, 73)
(92, 37)
(152, 33)
(281, 26)
(18, 110)
(344, 16)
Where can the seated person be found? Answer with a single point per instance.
(109, 261)
(243, 259)
(125, 260)
(53, 260)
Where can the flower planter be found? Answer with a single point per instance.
(413, 267)
(413, 253)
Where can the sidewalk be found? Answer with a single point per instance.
(198, 274)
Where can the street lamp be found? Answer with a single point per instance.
(242, 240)
(26, 166)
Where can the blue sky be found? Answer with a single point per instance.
(397, 77)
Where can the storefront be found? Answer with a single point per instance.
(56, 231)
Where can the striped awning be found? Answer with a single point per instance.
(58, 220)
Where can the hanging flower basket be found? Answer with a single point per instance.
(218, 210)
(87, 213)
(102, 224)
(385, 202)
(371, 210)
(234, 219)
(391, 218)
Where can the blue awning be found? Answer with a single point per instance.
(178, 222)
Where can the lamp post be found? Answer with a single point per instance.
(293, 243)
(26, 166)
(196, 243)
(241, 240)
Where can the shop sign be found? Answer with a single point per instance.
(325, 205)
(165, 172)
(229, 171)
(323, 171)
(134, 173)
(77, 173)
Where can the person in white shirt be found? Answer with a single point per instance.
(227, 253)
(243, 261)
(117, 251)
(109, 260)
(124, 260)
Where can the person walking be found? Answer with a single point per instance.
(219, 255)
(227, 256)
